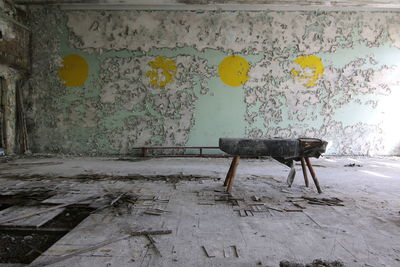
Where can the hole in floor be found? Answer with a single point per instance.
(4, 206)
(25, 198)
(25, 244)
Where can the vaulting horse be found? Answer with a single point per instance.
(285, 151)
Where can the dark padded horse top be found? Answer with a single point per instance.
(274, 147)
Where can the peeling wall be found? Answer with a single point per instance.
(14, 61)
(9, 95)
(153, 78)
(14, 36)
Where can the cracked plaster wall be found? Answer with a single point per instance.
(353, 104)
(11, 76)
(13, 57)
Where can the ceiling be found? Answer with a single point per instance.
(222, 4)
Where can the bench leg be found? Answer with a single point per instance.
(144, 152)
(303, 166)
(292, 174)
(228, 175)
(235, 163)
(313, 175)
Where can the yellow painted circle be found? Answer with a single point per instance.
(162, 71)
(75, 70)
(308, 71)
(233, 70)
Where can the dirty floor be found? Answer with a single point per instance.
(175, 212)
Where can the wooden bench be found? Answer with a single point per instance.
(145, 150)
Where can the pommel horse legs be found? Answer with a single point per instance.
(230, 176)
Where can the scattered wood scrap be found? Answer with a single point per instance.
(245, 213)
(102, 244)
(297, 205)
(208, 252)
(153, 244)
(334, 201)
(293, 210)
(229, 198)
(235, 249)
(279, 210)
(116, 201)
(231, 251)
(157, 212)
(353, 165)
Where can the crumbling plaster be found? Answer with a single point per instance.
(11, 76)
(116, 109)
(12, 57)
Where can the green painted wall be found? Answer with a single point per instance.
(353, 104)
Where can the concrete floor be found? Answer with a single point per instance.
(363, 232)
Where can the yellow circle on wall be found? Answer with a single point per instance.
(162, 71)
(233, 70)
(308, 71)
(75, 70)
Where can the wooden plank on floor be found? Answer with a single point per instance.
(32, 221)
(69, 197)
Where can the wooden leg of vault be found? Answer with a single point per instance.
(228, 175)
(303, 166)
(235, 163)
(313, 175)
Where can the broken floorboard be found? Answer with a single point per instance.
(8, 215)
(66, 256)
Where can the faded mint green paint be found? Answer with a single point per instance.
(150, 110)
(353, 113)
(89, 90)
(197, 87)
(384, 54)
(115, 120)
(80, 135)
(120, 54)
(218, 115)
(81, 108)
(214, 117)
(221, 111)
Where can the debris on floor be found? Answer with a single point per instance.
(259, 223)
(333, 201)
(315, 263)
(353, 165)
(208, 252)
(147, 233)
(119, 202)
